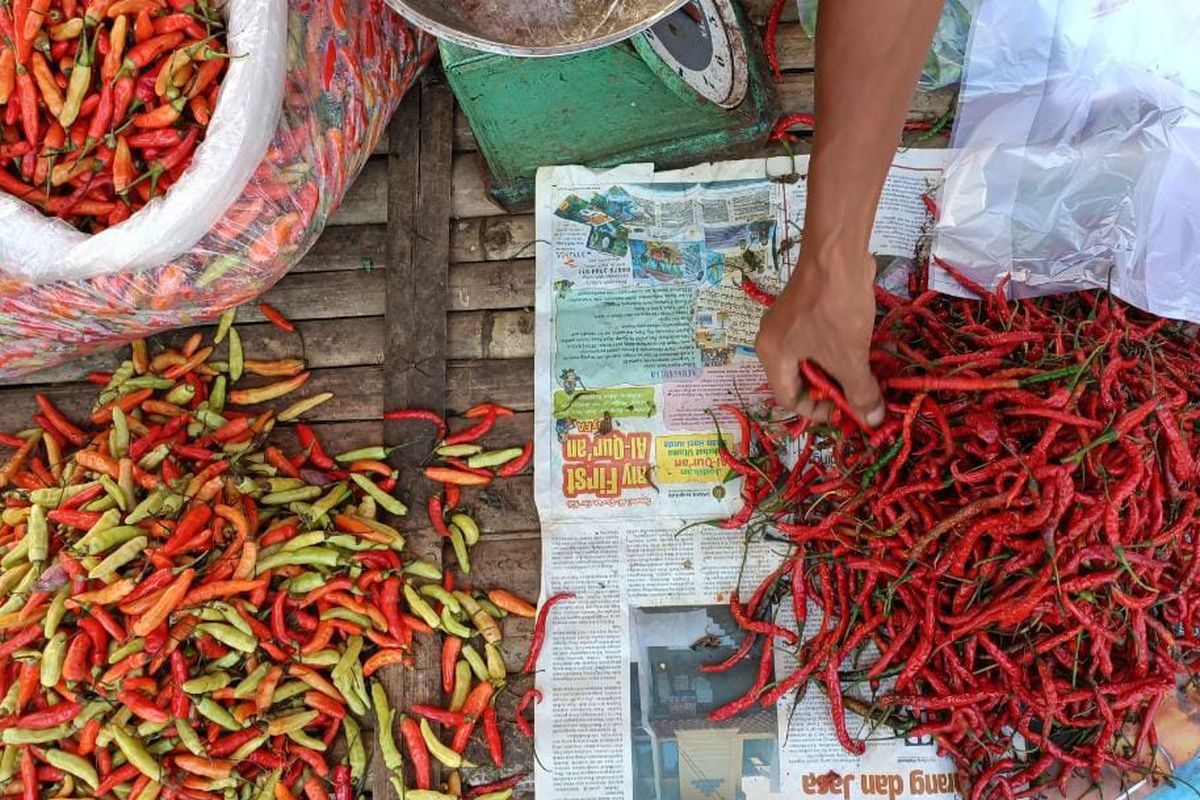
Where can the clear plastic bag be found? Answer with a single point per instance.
(1079, 152)
(348, 64)
(943, 65)
(40, 249)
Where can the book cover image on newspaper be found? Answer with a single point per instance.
(643, 330)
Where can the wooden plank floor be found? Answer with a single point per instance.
(360, 329)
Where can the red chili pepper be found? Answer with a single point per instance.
(418, 415)
(539, 629)
(491, 732)
(275, 318)
(472, 433)
(530, 696)
(418, 753)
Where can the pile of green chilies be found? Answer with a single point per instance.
(1008, 564)
(190, 612)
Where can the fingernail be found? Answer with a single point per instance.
(875, 417)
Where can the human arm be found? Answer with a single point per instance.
(869, 55)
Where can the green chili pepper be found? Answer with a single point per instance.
(458, 450)
(266, 790)
(423, 569)
(26, 736)
(13, 576)
(217, 713)
(442, 596)
(438, 750)
(497, 670)
(468, 526)
(230, 636)
(155, 457)
(8, 763)
(136, 753)
(119, 557)
(375, 453)
(55, 496)
(146, 729)
(90, 711)
(243, 752)
(118, 437)
(114, 492)
(146, 382)
(472, 657)
(305, 582)
(293, 722)
(287, 691)
(493, 458)
(304, 740)
(37, 533)
(321, 658)
(306, 556)
(491, 608)
(69, 762)
(337, 612)
(366, 507)
(53, 656)
(56, 611)
(236, 358)
(191, 740)
(147, 508)
(291, 496)
(247, 685)
(460, 549)
(421, 608)
(131, 646)
(452, 626)
(227, 317)
(330, 501)
(109, 538)
(9, 704)
(389, 503)
(231, 659)
(19, 553)
(216, 395)
(462, 685)
(231, 615)
(356, 751)
(303, 540)
(207, 684)
(209, 418)
(385, 736)
(181, 395)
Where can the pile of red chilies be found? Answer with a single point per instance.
(103, 102)
(188, 611)
(1008, 563)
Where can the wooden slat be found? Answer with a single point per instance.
(490, 334)
(419, 181)
(795, 48)
(492, 238)
(366, 201)
(331, 295)
(492, 284)
(347, 248)
(508, 382)
(471, 198)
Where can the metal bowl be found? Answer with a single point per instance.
(534, 27)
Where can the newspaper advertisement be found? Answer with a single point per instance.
(643, 332)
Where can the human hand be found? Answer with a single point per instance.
(825, 314)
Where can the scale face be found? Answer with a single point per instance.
(700, 46)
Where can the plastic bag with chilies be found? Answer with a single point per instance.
(943, 65)
(349, 63)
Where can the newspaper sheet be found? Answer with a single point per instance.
(643, 330)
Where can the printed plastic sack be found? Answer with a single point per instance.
(40, 249)
(349, 63)
(943, 65)
(1079, 129)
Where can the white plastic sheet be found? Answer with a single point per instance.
(1079, 152)
(40, 249)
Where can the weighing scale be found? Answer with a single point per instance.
(692, 87)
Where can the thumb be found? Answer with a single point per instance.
(862, 390)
